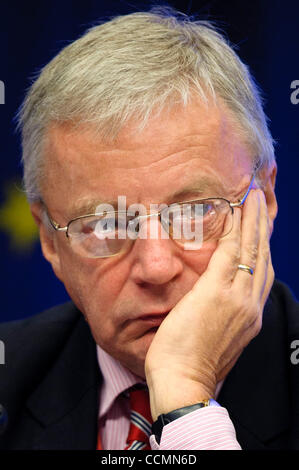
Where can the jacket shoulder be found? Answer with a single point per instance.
(32, 345)
(64, 314)
(283, 300)
(49, 381)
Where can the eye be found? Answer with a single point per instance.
(208, 208)
(198, 210)
(85, 226)
(88, 226)
(86, 229)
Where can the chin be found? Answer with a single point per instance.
(135, 358)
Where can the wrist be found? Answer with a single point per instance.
(167, 418)
(169, 394)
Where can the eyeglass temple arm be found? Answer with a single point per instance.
(55, 225)
(241, 201)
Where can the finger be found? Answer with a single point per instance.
(250, 229)
(269, 282)
(263, 275)
(225, 259)
(256, 325)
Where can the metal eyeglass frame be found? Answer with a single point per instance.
(239, 203)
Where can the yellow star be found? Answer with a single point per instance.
(16, 219)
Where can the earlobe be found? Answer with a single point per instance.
(47, 239)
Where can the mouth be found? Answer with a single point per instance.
(153, 319)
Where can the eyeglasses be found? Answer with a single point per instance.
(191, 224)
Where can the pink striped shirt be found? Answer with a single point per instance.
(208, 428)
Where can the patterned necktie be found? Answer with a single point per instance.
(141, 420)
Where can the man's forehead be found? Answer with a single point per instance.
(190, 154)
(172, 128)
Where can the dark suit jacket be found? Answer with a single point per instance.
(50, 381)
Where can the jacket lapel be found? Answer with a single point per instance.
(65, 404)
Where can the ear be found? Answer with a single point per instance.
(267, 177)
(47, 238)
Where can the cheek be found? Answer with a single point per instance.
(92, 284)
(198, 260)
(95, 294)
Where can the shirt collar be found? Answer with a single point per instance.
(116, 379)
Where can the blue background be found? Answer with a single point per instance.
(32, 32)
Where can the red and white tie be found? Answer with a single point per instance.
(141, 420)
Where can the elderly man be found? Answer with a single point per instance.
(150, 172)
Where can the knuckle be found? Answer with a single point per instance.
(257, 325)
(252, 314)
(271, 272)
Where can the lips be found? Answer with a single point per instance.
(154, 319)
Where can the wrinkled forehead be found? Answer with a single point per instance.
(192, 148)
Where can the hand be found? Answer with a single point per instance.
(202, 337)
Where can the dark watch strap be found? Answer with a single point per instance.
(162, 420)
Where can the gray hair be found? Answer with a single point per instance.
(132, 66)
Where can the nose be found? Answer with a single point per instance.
(157, 257)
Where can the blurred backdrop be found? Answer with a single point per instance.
(32, 32)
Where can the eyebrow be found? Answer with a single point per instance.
(89, 207)
(206, 185)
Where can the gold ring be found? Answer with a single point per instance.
(245, 267)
